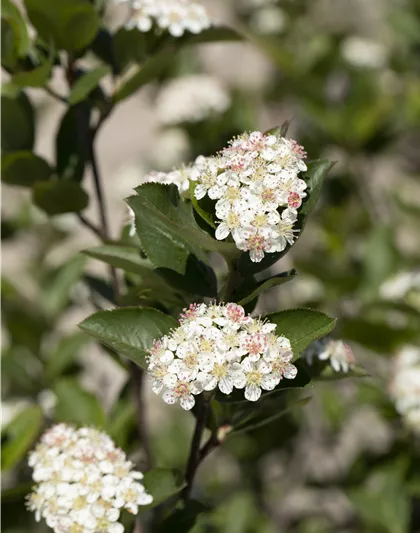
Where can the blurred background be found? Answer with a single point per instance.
(345, 73)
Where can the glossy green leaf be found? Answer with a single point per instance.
(58, 197)
(72, 142)
(17, 120)
(162, 483)
(24, 168)
(246, 294)
(36, 77)
(87, 83)
(127, 258)
(301, 326)
(70, 24)
(76, 405)
(129, 330)
(167, 229)
(19, 436)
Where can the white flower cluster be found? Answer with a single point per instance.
(191, 99)
(254, 176)
(83, 481)
(405, 386)
(180, 177)
(175, 16)
(219, 346)
(338, 353)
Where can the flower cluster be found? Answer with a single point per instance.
(83, 481)
(175, 16)
(191, 99)
(219, 346)
(405, 386)
(251, 179)
(180, 177)
(338, 353)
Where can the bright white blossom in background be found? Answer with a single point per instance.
(405, 386)
(219, 347)
(403, 286)
(251, 179)
(364, 53)
(337, 352)
(175, 16)
(83, 481)
(191, 99)
(180, 177)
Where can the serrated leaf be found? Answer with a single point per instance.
(127, 258)
(70, 24)
(60, 196)
(76, 405)
(162, 483)
(24, 168)
(129, 330)
(87, 83)
(20, 435)
(301, 326)
(254, 289)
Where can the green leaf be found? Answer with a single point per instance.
(70, 24)
(212, 35)
(183, 520)
(13, 16)
(150, 70)
(259, 421)
(301, 326)
(24, 169)
(127, 258)
(129, 46)
(59, 196)
(167, 228)
(314, 177)
(204, 207)
(17, 120)
(129, 330)
(36, 77)
(102, 47)
(56, 291)
(20, 435)
(64, 354)
(246, 294)
(87, 83)
(162, 483)
(77, 406)
(71, 143)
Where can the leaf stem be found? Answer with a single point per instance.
(194, 459)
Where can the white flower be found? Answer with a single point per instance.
(218, 346)
(337, 352)
(191, 99)
(83, 481)
(175, 16)
(405, 386)
(365, 53)
(404, 285)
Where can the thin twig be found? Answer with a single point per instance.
(137, 391)
(86, 222)
(203, 409)
(54, 94)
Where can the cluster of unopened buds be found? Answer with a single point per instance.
(255, 182)
(405, 386)
(336, 352)
(83, 481)
(219, 346)
(175, 16)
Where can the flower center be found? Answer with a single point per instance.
(181, 389)
(254, 377)
(219, 371)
